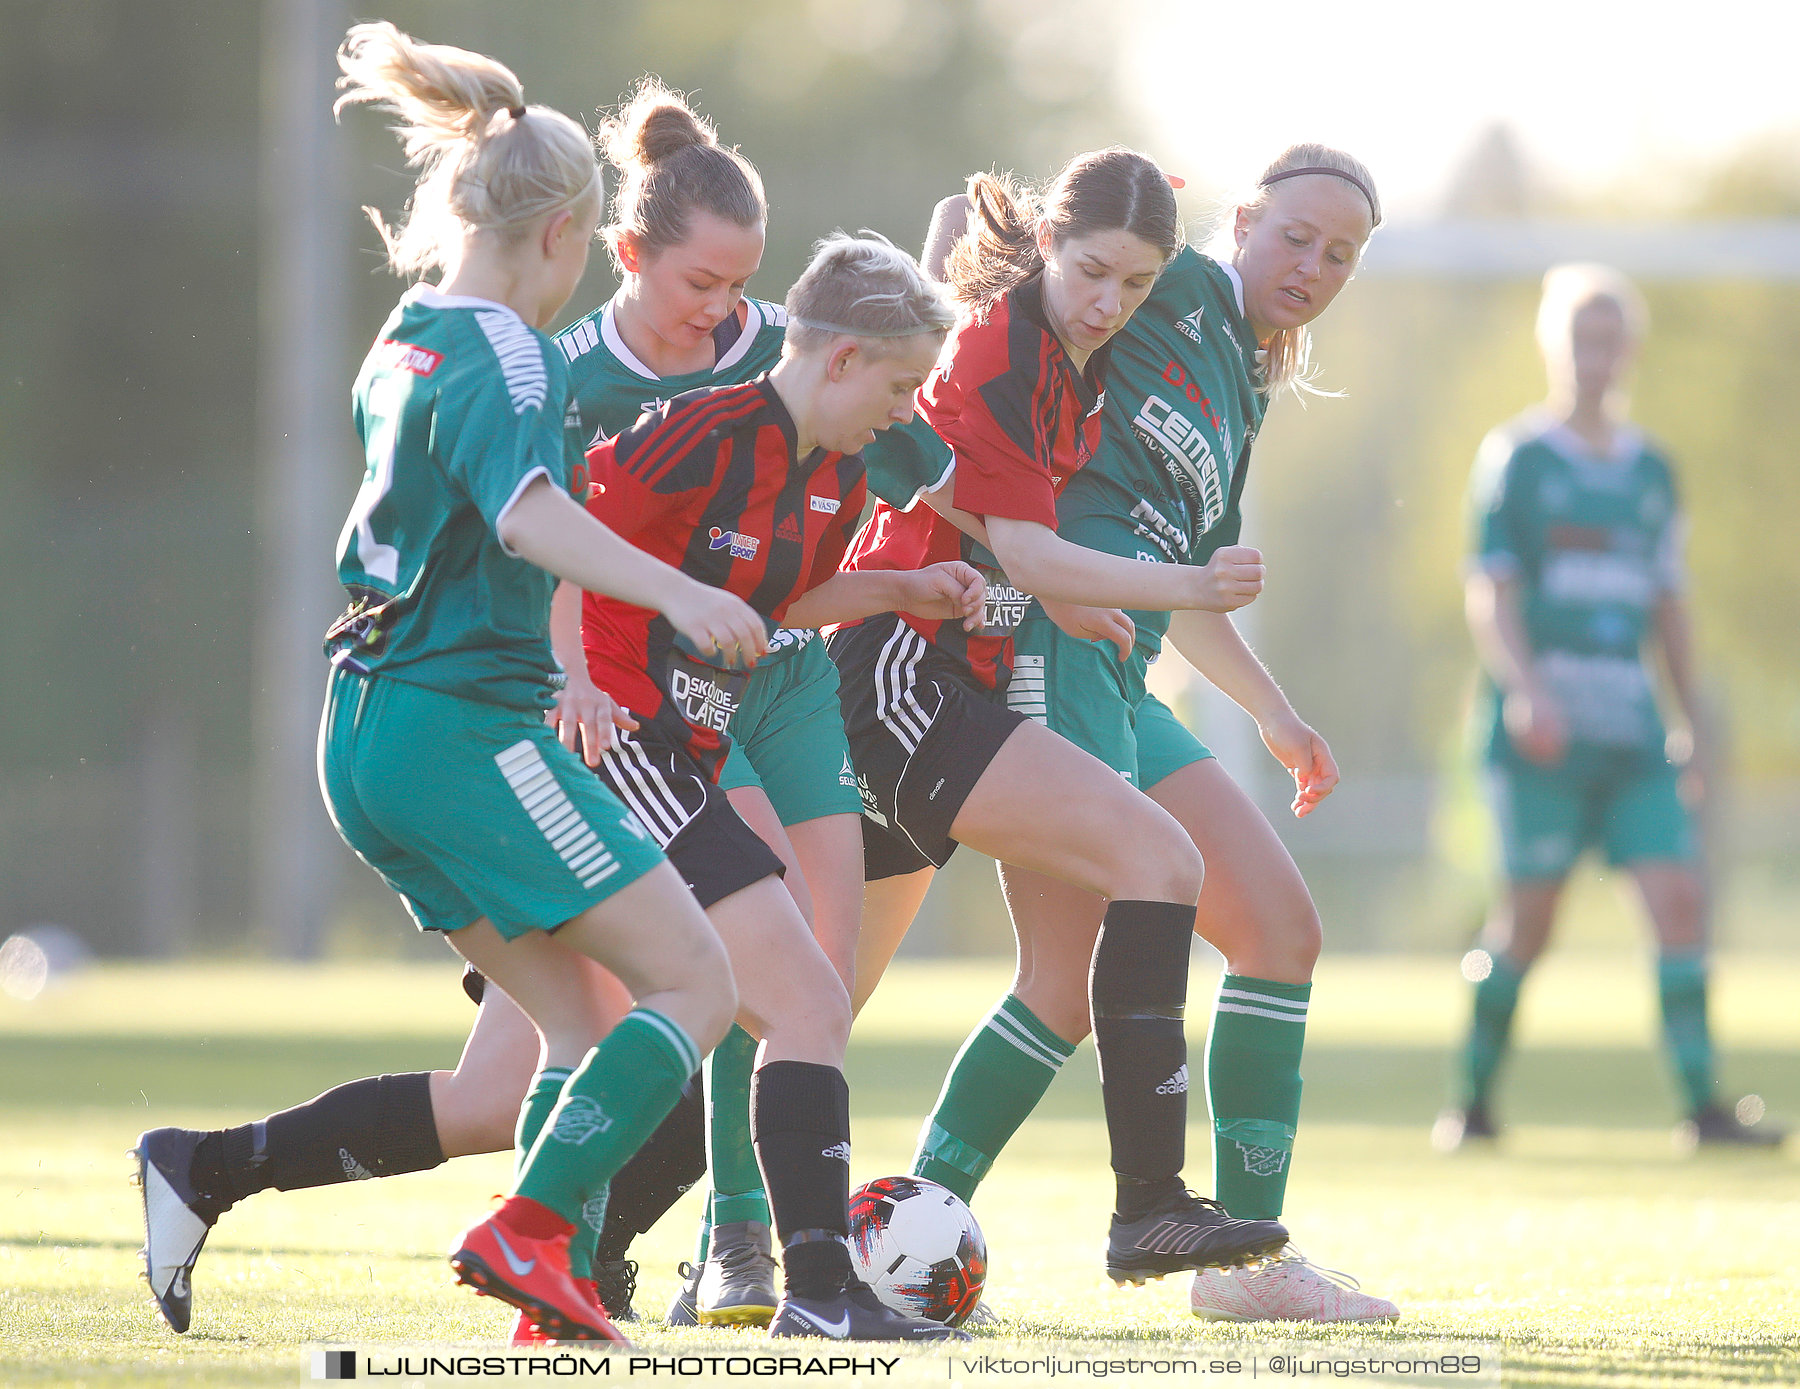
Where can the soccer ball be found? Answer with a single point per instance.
(919, 1247)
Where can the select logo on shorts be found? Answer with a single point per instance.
(404, 356)
(742, 546)
(334, 1364)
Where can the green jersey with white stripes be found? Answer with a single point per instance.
(1593, 542)
(1181, 409)
(459, 405)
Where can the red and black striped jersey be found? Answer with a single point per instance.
(1021, 421)
(709, 483)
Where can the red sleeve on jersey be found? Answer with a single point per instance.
(989, 401)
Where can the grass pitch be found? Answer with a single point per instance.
(1585, 1249)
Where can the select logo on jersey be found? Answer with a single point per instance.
(742, 546)
(829, 505)
(789, 529)
(404, 356)
(1189, 325)
(1187, 455)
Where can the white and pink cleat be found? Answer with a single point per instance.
(1285, 1287)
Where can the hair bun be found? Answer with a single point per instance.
(653, 125)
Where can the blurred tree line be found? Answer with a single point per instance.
(129, 341)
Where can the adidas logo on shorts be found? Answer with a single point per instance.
(1176, 1084)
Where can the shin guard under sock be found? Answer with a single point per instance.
(615, 1099)
(1138, 992)
(800, 1121)
(658, 1174)
(993, 1085)
(737, 1189)
(1253, 1084)
(377, 1127)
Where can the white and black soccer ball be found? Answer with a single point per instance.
(919, 1247)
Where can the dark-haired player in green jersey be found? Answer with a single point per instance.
(1576, 580)
(1190, 380)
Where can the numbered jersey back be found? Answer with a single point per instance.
(460, 407)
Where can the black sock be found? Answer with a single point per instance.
(377, 1127)
(1138, 992)
(800, 1124)
(670, 1162)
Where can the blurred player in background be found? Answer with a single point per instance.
(1575, 586)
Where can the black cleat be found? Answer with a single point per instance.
(1186, 1232)
(1713, 1127)
(685, 1310)
(855, 1314)
(1455, 1127)
(615, 1284)
(176, 1219)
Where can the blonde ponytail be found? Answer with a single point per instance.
(487, 161)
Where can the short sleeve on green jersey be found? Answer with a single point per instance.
(496, 440)
(905, 461)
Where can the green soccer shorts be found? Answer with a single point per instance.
(1624, 803)
(470, 810)
(787, 739)
(1082, 690)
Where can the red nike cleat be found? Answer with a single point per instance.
(526, 1333)
(533, 1275)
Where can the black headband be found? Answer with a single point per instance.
(1344, 174)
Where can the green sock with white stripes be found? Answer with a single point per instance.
(1253, 1083)
(996, 1081)
(607, 1108)
(1681, 988)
